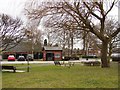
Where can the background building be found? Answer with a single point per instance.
(52, 53)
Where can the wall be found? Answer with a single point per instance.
(57, 55)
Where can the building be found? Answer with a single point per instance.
(24, 49)
(52, 53)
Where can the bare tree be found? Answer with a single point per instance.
(64, 29)
(84, 15)
(111, 26)
(11, 32)
(33, 36)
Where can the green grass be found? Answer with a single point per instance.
(0, 80)
(50, 76)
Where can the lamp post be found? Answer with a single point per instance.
(28, 68)
(30, 36)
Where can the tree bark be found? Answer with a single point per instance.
(84, 45)
(71, 42)
(110, 52)
(104, 59)
(69, 46)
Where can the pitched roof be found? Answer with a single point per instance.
(25, 47)
(52, 48)
(21, 47)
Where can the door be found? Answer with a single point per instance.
(50, 57)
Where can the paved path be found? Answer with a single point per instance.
(25, 62)
(35, 62)
(44, 62)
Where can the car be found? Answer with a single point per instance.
(30, 58)
(116, 57)
(21, 58)
(11, 58)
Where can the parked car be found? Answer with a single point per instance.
(30, 58)
(116, 57)
(21, 58)
(11, 58)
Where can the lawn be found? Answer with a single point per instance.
(50, 76)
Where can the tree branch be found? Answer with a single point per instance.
(115, 33)
(90, 10)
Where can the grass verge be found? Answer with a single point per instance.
(50, 76)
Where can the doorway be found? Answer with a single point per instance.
(50, 57)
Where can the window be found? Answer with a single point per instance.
(57, 55)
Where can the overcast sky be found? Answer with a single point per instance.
(16, 7)
(12, 7)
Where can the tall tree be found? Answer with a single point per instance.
(11, 32)
(85, 16)
(33, 36)
(65, 30)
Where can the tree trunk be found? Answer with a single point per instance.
(71, 43)
(110, 52)
(68, 47)
(104, 50)
(84, 47)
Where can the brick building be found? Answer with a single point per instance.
(24, 49)
(52, 53)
